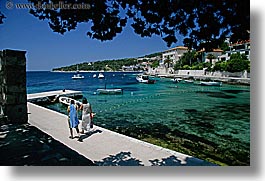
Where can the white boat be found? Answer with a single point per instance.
(67, 101)
(100, 76)
(77, 75)
(188, 81)
(110, 91)
(144, 79)
(176, 80)
(95, 75)
(212, 83)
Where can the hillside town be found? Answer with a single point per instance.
(168, 60)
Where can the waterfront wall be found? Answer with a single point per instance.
(170, 71)
(243, 74)
(13, 86)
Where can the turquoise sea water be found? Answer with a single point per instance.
(211, 123)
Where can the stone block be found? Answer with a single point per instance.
(16, 113)
(13, 85)
(14, 53)
(15, 98)
(14, 61)
(16, 88)
(15, 77)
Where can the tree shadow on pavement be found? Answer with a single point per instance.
(175, 161)
(24, 144)
(120, 159)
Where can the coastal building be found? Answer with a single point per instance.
(129, 68)
(217, 54)
(242, 47)
(173, 54)
(150, 59)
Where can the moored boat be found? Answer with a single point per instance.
(188, 81)
(67, 101)
(212, 83)
(176, 80)
(110, 91)
(77, 75)
(100, 76)
(144, 79)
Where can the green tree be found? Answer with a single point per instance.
(167, 61)
(224, 46)
(188, 58)
(177, 66)
(238, 63)
(155, 64)
(220, 66)
(186, 67)
(211, 57)
(205, 23)
(207, 65)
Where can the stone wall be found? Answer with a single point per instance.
(13, 85)
(169, 71)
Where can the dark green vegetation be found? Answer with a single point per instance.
(110, 65)
(205, 23)
(237, 63)
(106, 65)
(189, 61)
(192, 61)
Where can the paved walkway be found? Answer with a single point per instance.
(39, 97)
(105, 147)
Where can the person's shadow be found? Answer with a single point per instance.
(90, 133)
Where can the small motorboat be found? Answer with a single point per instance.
(100, 76)
(176, 80)
(78, 76)
(110, 91)
(212, 83)
(95, 75)
(188, 81)
(67, 100)
(144, 79)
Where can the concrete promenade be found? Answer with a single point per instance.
(46, 96)
(107, 148)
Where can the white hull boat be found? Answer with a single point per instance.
(176, 80)
(188, 81)
(78, 76)
(144, 79)
(67, 101)
(100, 76)
(211, 83)
(110, 91)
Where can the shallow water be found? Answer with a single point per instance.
(211, 123)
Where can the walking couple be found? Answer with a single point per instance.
(87, 118)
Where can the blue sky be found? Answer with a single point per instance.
(47, 49)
